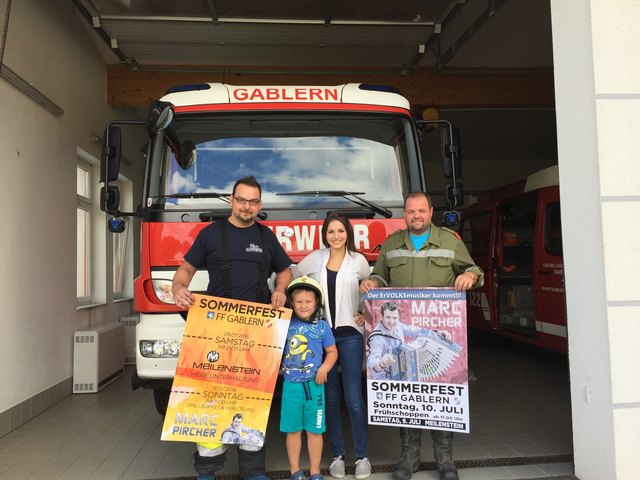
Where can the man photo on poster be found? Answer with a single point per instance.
(238, 434)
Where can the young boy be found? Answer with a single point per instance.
(305, 374)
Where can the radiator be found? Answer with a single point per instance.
(130, 338)
(98, 357)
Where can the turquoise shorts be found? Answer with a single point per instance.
(302, 407)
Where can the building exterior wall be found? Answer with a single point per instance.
(597, 77)
(46, 47)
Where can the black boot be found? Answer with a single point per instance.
(443, 453)
(206, 467)
(409, 463)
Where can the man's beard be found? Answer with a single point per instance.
(246, 218)
(414, 230)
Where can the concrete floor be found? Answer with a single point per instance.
(520, 429)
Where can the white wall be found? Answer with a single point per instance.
(597, 78)
(47, 48)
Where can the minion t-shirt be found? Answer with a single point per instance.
(304, 348)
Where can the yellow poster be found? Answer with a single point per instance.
(227, 371)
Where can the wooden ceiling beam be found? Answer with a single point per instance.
(422, 87)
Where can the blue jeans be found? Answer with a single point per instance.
(350, 355)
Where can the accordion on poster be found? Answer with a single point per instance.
(425, 359)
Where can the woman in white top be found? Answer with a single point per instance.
(339, 269)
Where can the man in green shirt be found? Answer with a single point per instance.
(424, 255)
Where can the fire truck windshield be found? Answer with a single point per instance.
(202, 156)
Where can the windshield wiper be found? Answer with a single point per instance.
(222, 196)
(346, 195)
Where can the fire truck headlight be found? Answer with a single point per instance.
(160, 348)
(162, 289)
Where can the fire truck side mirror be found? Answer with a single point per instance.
(110, 199)
(160, 116)
(111, 154)
(454, 196)
(187, 155)
(451, 152)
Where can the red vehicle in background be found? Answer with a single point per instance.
(515, 236)
(314, 149)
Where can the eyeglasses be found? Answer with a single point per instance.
(254, 202)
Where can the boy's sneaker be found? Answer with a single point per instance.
(363, 468)
(336, 469)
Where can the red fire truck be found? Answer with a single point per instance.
(351, 147)
(514, 235)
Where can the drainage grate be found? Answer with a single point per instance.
(479, 463)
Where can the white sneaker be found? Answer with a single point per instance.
(336, 469)
(363, 468)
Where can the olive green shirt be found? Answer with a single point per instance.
(437, 264)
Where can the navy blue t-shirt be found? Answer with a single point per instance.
(245, 259)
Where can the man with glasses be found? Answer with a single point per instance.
(240, 255)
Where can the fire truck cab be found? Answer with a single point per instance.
(515, 236)
(314, 149)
